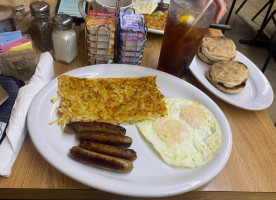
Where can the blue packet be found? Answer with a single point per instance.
(132, 22)
(8, 37)
(132, 36)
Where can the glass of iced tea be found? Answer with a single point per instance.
(185, 28)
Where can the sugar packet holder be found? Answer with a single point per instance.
(21, 62)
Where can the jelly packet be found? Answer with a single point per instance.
(128, 53)
(101, 14)
(132, 36)
(132, 22)
(99, 18)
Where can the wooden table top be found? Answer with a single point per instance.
(249, 173)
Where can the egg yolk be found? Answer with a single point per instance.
(194, 116)
(171, 131)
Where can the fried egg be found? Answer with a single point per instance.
(188, 136)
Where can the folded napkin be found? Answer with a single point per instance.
(17, 126)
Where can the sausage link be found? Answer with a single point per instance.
(111, 139)
(100, 161)
(128, 154)
(75, 127)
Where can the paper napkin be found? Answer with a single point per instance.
(17, 126)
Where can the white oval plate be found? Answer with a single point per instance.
(151, 177)
(257, 94)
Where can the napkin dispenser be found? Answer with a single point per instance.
(11, 86)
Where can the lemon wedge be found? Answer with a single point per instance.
(186, 19)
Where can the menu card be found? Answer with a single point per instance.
(11, 86)
(3, 95)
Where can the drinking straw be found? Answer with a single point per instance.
(202, 12)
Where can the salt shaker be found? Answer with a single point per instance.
(64, 38)
(41, 25)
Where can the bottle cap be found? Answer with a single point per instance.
(62, 22)
(40, 9)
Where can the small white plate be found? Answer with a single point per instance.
(257, 94)
(151, 177)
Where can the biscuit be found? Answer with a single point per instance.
(217, 48)
(203, 57)
(228, 76)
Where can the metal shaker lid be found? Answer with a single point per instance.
(40, 9)
(6, 11)
(62, 22)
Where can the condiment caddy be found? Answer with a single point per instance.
(115, 37)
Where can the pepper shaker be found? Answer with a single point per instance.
(64, 38)
(41, 25)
